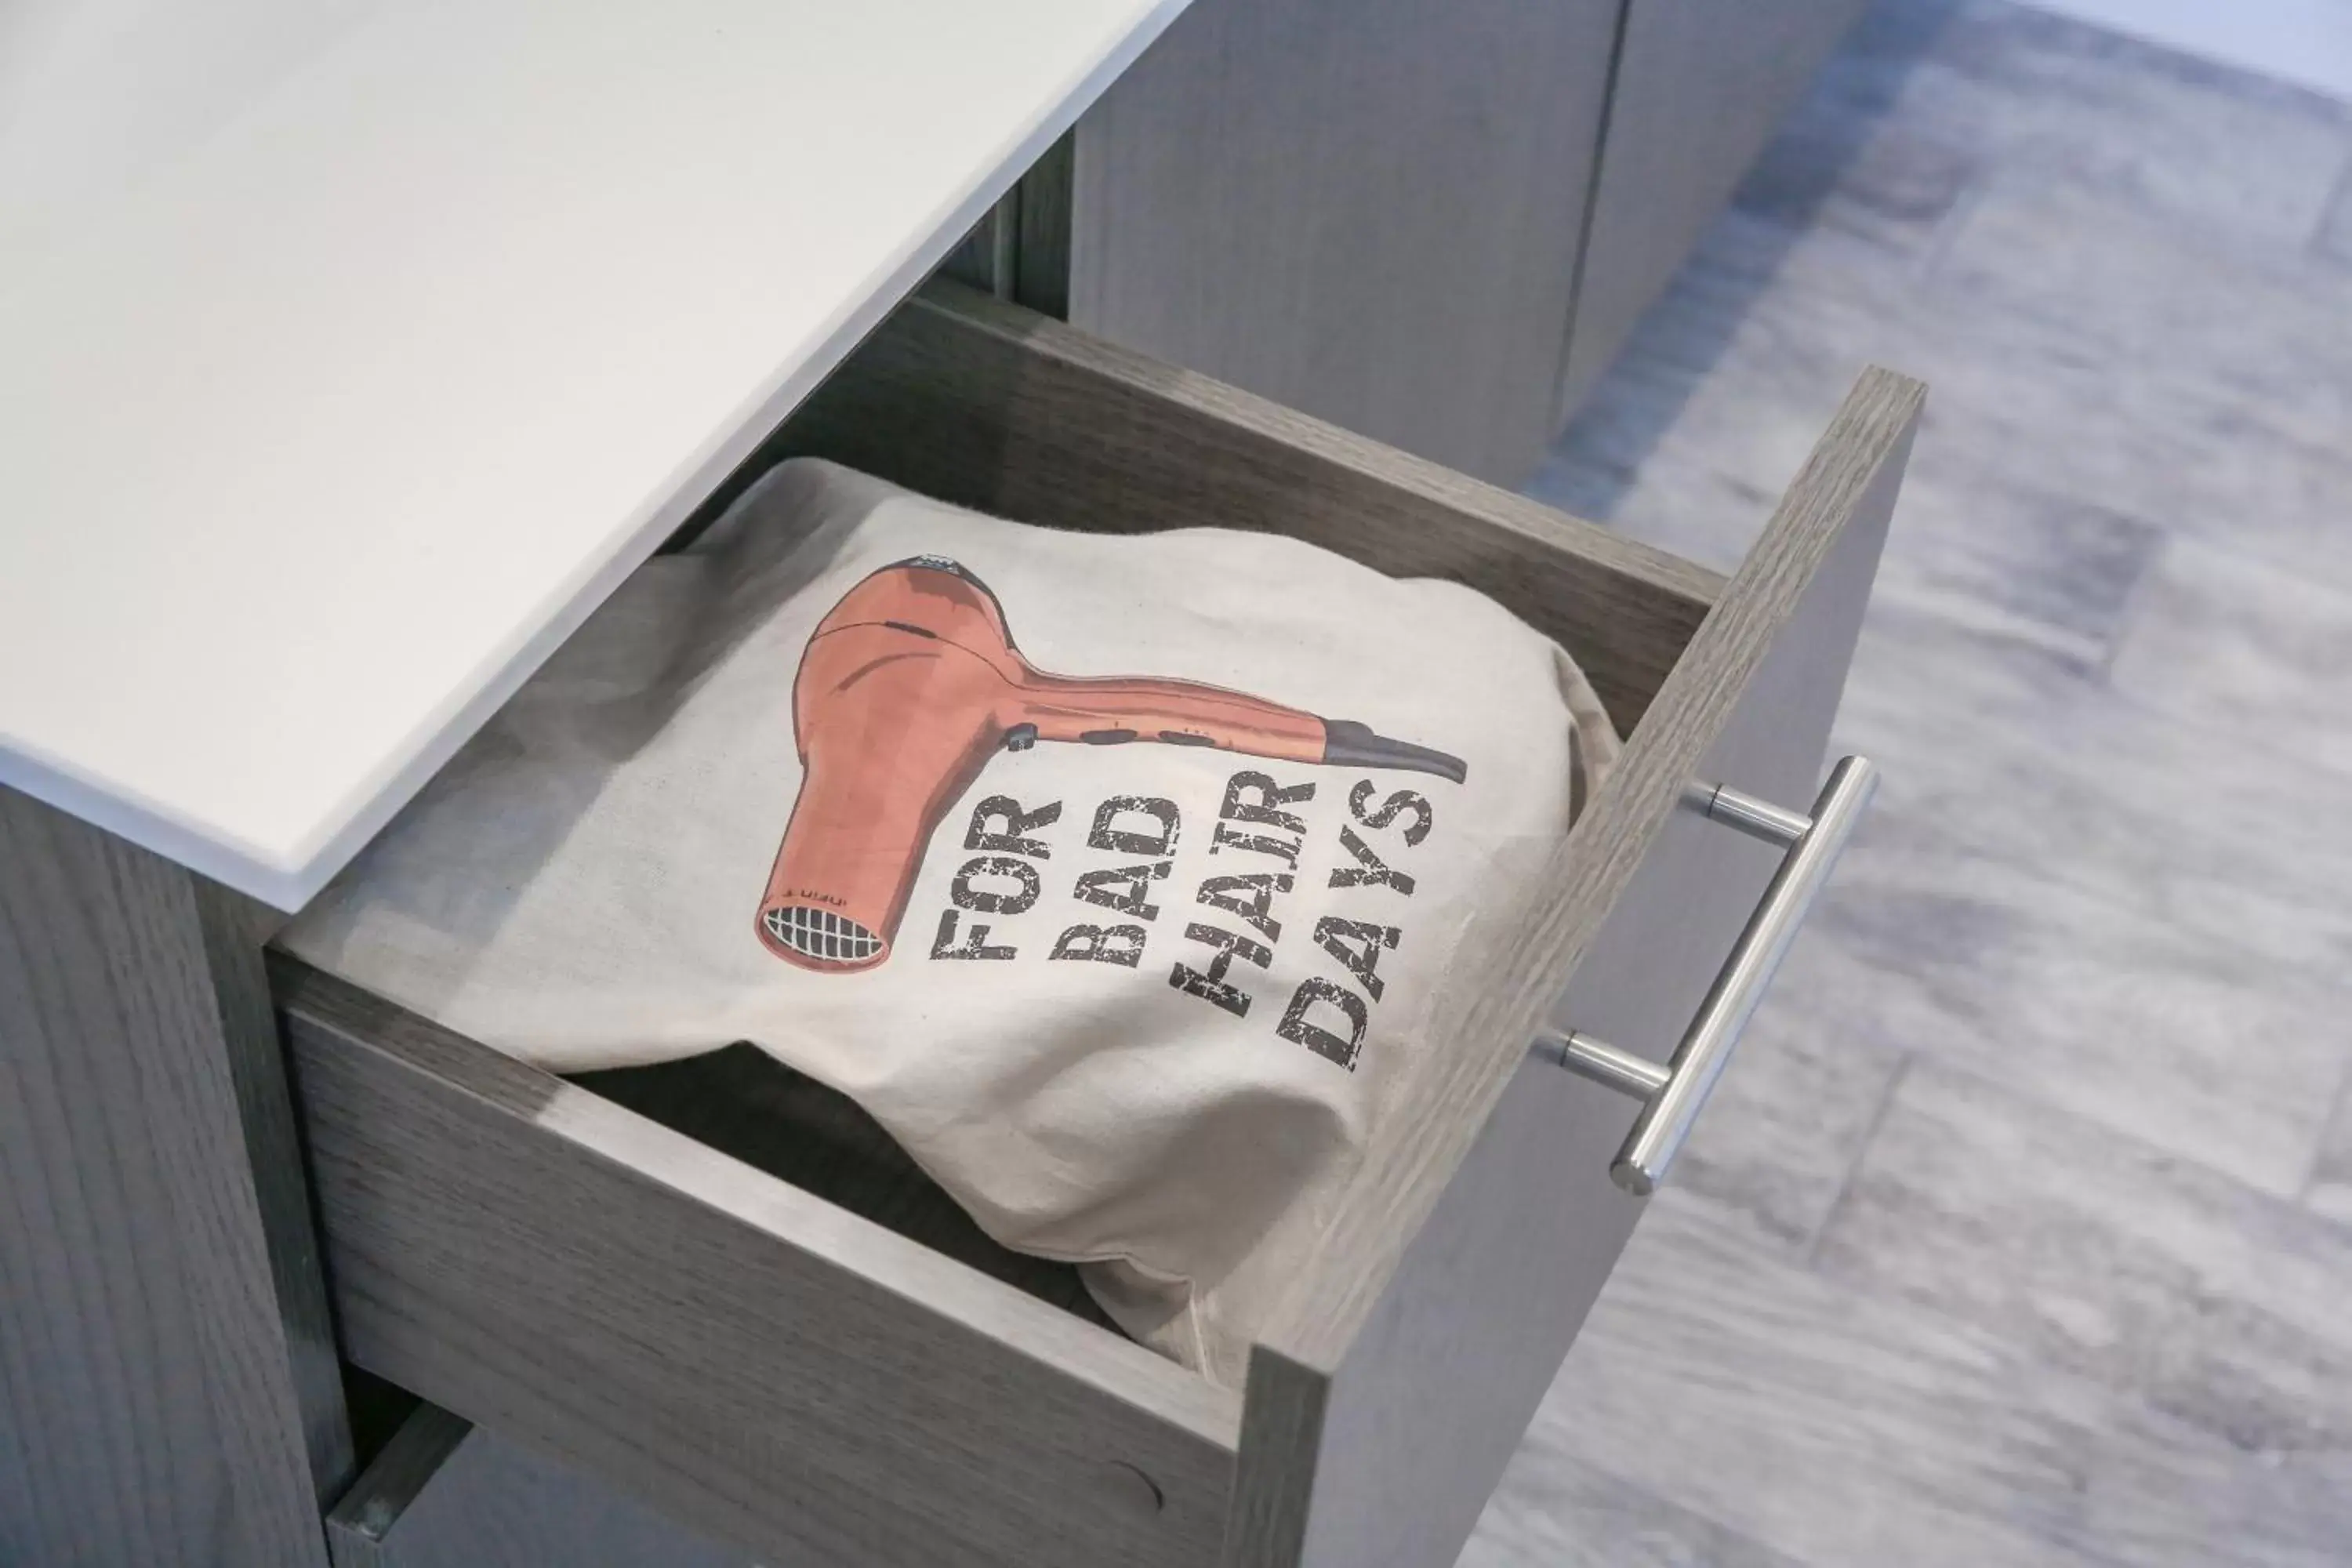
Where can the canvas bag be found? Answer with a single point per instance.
(1143, 997)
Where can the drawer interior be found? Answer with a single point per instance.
(722, 1287)
(966, 399)
(989, 405)
(752, 1108)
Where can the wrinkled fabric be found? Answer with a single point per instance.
(1147, 999)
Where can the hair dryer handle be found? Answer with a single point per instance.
(846, 867)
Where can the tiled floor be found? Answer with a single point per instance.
(2021, 1232)
(2306, 41)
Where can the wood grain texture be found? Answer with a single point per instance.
(745, 1103)
(447, 1494)
(359, 1526)
(2197, 147)
(2107, 1257)
(1553, 1511)
(234, 930)
(2122, 1018)
(1428, 1323)
(1367, 209)
(996, 407)
(1041, 274)
(1846, 1432)
(166, 1366)
(1850, 1426)
(1021, 249)
(974, 262)
(378, 1409)
(1700, 85)
(737, 1353)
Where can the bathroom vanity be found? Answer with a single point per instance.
(330, 419)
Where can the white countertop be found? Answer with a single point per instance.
(348, 359)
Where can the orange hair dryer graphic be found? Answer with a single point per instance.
(906, 689)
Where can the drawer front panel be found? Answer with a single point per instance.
(744, 1357)
(1381, 1413)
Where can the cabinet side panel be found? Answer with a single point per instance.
(1367, 209)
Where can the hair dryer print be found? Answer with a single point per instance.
(907, 686)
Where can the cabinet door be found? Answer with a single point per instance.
(1367, 209)
(1700, 87)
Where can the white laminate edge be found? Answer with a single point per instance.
(318, 436)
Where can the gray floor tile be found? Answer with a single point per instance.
(2180, 450)
(1829, 1423)
(2330, 1192)
(2187, 141)
(1846, 176)
(2195, 432)
(2001, 593)
(1982, 550)
(1789, 1119)
(2229, 428)
(2223, 1055)
(1846, 1426)
(1712, 408)
(2007, 1238)
(2334, 240)
(1552, 1512)
(2165, 302)
(2108, 1258)
(2259, 655)
(2008, 752)
(2164, 1501)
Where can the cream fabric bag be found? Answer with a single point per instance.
(1131, 967)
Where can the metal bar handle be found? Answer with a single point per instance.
(1673, 1096)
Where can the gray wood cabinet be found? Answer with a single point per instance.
(165, 1350)
(1434, 222)
(1699, 87)
(1366, 209)
(1375, 211)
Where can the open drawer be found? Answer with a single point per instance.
(782, 1375)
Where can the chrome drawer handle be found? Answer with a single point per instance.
(1672, 1096)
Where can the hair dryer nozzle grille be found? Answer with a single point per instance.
(822, 936)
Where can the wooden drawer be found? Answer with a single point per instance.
(810, 1387)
